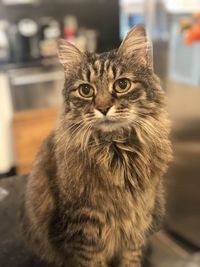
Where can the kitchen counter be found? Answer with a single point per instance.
(43, 62)
(13, 251)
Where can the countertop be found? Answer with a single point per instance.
(43, 62)
(13, 251)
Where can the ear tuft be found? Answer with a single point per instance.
(136, 44)
(69, 55)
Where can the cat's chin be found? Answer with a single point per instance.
(110, 126)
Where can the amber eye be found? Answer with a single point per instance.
(86, 90)
(122, 85)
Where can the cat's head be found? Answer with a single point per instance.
(112, 90)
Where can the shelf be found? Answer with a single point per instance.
(19, 2)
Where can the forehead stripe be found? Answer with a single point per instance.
(107, 65)
(95, 68)
(88, 74)
(114, 70)
(82, 74)
(92, 72)
(119, 71)
(102, 69)
(98, 63)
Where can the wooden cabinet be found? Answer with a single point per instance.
(30, 128)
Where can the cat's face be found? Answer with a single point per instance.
(108, 91)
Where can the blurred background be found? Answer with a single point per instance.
(31, 81)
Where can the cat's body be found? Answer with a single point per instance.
(95, 192)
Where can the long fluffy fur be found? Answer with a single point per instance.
(95, 194)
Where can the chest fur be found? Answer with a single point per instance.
(122, 164)
(116, 184)
(131, 200)
(128, 218)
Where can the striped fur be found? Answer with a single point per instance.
(95, 192)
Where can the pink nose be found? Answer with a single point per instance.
(103, 110)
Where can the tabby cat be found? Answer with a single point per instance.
(95, 192)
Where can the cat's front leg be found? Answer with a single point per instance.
(130, 258)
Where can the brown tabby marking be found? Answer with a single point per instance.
(95, 192)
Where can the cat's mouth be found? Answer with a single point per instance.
(109, 124)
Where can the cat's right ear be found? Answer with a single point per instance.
(69, 55)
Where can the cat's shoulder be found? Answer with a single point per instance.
(48, 144)
(45, 153)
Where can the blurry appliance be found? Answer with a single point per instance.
(70, 27)
(15, 44)
(49, 32)
(4, 43)
(36, 87)
(85, 39)
(29, 40)
(91, 40)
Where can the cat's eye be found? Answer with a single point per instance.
(122, 85)
(86, 90)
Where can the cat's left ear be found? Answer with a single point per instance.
(136, 45)
(69, 55)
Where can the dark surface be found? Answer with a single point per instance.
(13, 251)
(11, 172)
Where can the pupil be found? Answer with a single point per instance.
(122, 84)
(86, 89)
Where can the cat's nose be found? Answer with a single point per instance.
(104, 110)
